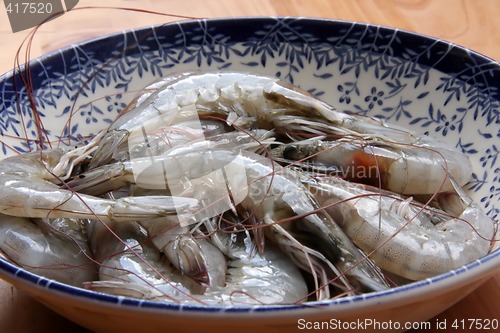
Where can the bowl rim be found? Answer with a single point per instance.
(489, 264)
(239, 19)
(397, 296)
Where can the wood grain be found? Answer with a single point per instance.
(470, 23)
(467, 22)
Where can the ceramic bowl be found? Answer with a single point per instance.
(429, 85)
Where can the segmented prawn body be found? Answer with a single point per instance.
(405, 237)
(130, 264)
(402, 168)
(56, 249)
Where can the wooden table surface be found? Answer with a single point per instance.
(470, 23)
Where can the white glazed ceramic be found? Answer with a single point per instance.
(429, 85)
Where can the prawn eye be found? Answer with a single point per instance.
(292, 152)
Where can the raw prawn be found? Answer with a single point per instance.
(114, 176)
(55, 249)
(249, 101)
(28, 188)
(396, 167)
(403, 236)
(241, 100)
